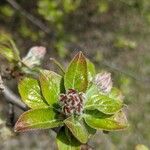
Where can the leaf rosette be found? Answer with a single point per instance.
(79, 102)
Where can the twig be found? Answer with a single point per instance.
(13, 99)
(30, 17)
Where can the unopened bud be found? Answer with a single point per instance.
(35, 56)
(103, 82)
(72, 102)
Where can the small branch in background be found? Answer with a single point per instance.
(30, 17)
(13, 99)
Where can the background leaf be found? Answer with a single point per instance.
(76, 75)
(67, 142)
(79, 129)
(8, 48)
(100, 121)
(7, 53)
(50, 85)
(38, 119)
(29, 90)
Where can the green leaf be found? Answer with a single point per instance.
(90, 70)
(8, 49)
(104, 103)
(29, 90)
(116, 94)
(15, 50)
(67, 142)
(7, 53)
(43, 118)
(79, 129)
(76, 75)
(98, 120)
(50, 85)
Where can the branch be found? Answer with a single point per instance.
(13, 99)
(30, 17)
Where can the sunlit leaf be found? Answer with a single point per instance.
(116, 94)
(79, 129)
(67, 142)
(98, 120)
(76, 75)
(104, 103)
(50, 85)
(90, 70)
(29, 90)
(38, 119)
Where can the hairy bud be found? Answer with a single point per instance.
(103, 82)
(72, 102)
(34, 56)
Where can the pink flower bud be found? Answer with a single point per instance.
(103, 82)
(34, 56)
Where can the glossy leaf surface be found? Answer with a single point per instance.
(76, 76)
(29, 90)
(101, 102)
(38, 119)
(79, 129)
(90, 70)
(98, 120)
(50, 85)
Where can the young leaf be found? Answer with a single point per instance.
(29, 90)
(104, 104)
(7, 53)
(90, 70)
(100, 121)
(101, 102)
(116, 94)
(8, 49)
(50, 85)
(79, 129)
(38, 119)
(76, 75)
(65, 142)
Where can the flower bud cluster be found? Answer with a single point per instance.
(72, 102)
(103, 82)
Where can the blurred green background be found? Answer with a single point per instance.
(114, 34)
